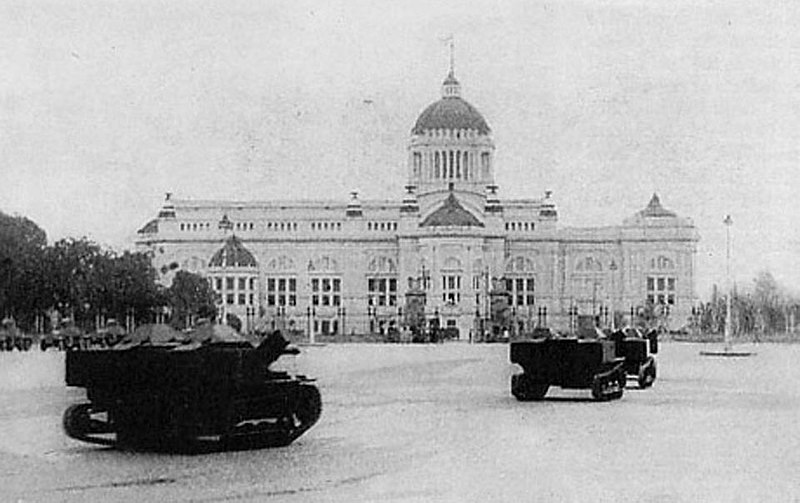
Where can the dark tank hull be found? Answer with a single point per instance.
(188, 395)
(638, 351)
(568, 363)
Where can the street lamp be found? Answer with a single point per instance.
(341, 312)
(613, 268)
(727, 350)
(728, 222)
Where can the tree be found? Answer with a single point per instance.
(190, 296)
(21, 246)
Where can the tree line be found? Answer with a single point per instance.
(78, 278)
(765, 307)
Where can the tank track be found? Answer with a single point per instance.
(647, 373)
(86, 423)
(609, 385)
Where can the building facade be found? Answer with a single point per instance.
(332, 267)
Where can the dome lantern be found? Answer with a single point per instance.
(451, 88)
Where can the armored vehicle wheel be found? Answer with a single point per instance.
(307, 413)
(76, 420)
(609, 386)
(647, 374)
(525, 389)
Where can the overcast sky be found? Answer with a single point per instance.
(104, 106)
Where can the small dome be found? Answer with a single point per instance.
(233, 254)
(654, 209)
(451, 112)
(150, 227)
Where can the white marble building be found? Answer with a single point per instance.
(344, 266)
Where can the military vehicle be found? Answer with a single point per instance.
(12, 338)
(166, 390)
(66, 337)
(569, 363)
(638, 350)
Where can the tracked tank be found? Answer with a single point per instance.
(165, 390)
(569, 363)
(638, 350)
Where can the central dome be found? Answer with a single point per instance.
(451, 112)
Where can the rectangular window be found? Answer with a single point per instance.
(219, 283)
(229, 299)
(660, 289)
(292, 285)
(451, 293)
(521, 290)
(282, 284)
(229, 283)
(315, 300)
(270, 300)
(315, 285)
(271, 284)
(337, 283)
(242, 283)
(252, 299)
(252, 283)
(292, 300)
(242, 299)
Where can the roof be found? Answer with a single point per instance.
(451, 112)
(233, 254)
(451, 213)
(654, 209)
(150, 227)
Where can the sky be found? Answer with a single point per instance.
(105, 106)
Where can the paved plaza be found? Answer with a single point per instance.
(437, 423)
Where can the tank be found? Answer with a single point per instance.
(569, 363)
(638, 349)
(165, 390)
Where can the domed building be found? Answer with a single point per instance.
(347, 267)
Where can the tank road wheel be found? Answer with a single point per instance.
(620, 381)
(303, 417)
(525, 389)
(76, 421)
(647, 374)
(609, 386)
(309, 408)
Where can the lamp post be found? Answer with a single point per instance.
(633, 312)
(613, 268)
(728, 222)
(727, 350)
(342, 314)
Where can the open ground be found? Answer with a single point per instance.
(437, 423)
